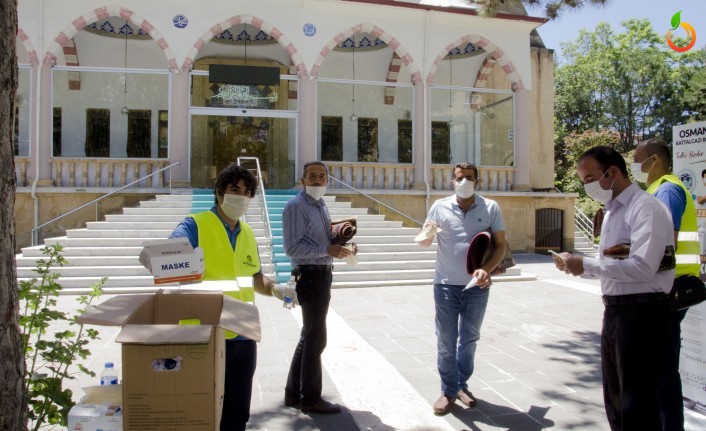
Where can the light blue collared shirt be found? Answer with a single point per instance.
(457, 231)
(306, 228)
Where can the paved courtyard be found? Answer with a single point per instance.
(537, 364)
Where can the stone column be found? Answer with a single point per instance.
(46, 113)
(522, 142)
(421, 137)
(179, 139)
(306, 142)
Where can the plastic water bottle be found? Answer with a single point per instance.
(109, 376)
(291, 286)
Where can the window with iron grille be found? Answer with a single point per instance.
(332, 139)
(404, 141)
(56, 132)
(139, 133)
(368, 139)
(97, 132)
(440, 142)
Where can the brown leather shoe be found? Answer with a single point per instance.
(466, 397)
(443, 405)
(323, 407)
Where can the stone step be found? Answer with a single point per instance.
(176, 205)
(136, 218)
(110, 271)
(69, 252)
(371, 240)
(208, 198)
(363, 224)
(94, 232)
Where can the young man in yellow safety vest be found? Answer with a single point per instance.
(230, 251)
(652, 165)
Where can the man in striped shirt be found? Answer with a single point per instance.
(306, 227)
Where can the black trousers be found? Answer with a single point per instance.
(633, 341)
(241, 358)
(671, 400)
(305, 375)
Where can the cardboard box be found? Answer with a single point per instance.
(95, 417)
(172, 260)
(173, 374)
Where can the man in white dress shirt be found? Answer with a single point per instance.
(636, 269)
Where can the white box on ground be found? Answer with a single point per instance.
(95, 417)
(172, 260)
(103, 394)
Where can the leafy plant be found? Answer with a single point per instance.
(51, 360)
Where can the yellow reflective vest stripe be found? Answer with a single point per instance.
(688, 249)
(221, 261)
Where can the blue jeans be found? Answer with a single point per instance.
(459, 316)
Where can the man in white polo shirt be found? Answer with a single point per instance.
(460, 310)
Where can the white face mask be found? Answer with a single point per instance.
(465, 189)
(636, 171)
(596, 192)
(234, 206)
(316, 192)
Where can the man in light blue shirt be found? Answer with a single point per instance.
(306, 228)
(460, 310)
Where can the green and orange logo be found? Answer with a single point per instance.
(690, 33)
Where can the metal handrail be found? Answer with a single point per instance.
(35, 231)
(584, 224)
(375, 200)
(264, 212)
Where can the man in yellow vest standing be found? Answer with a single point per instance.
(230, 251)
(652, 165)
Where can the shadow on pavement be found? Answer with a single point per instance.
(583, 352)
(293, 419)
(504, 417)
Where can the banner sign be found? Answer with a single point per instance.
(689, 161)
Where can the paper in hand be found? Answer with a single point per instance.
(427, 232)
(472, 283)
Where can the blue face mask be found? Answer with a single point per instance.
(596, 192)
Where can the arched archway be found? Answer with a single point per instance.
(263, 25)
(65, 36)
(399, 50)
(493, 51)
(24, 38)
